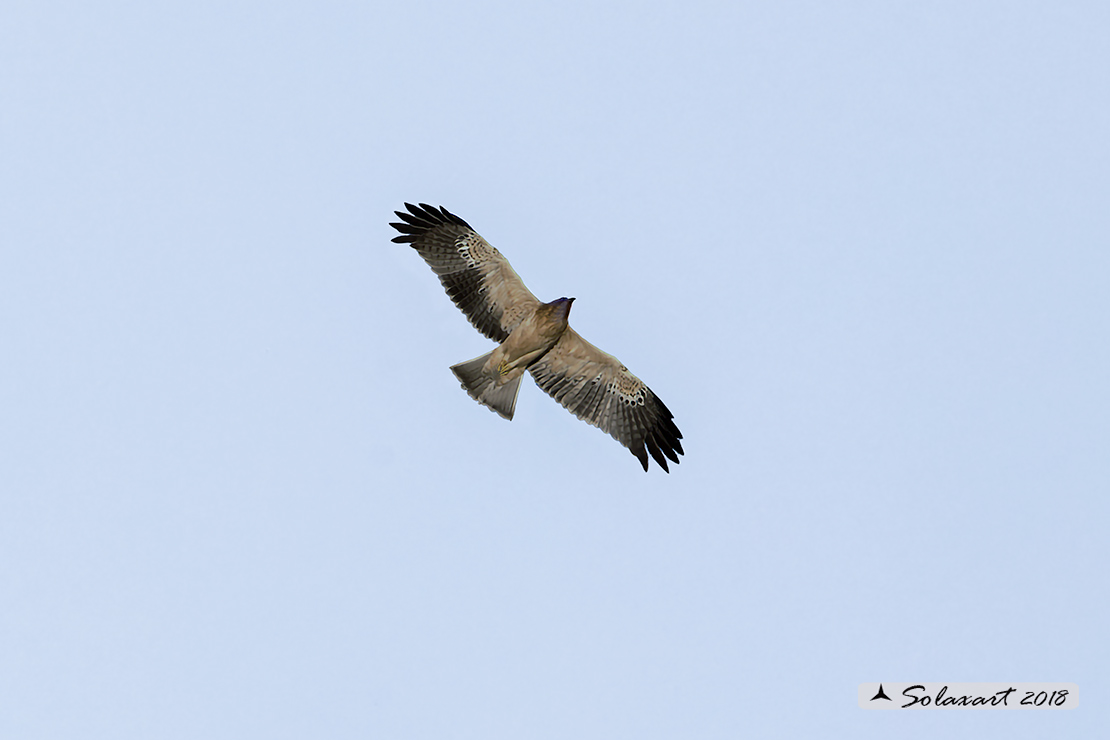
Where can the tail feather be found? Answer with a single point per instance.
(483, 387)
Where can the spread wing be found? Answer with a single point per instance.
(599, 390)
(477, 278)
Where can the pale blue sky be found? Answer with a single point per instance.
(860, 249)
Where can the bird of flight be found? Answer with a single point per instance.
(534, 336)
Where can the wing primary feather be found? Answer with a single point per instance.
(667, 431)
(667, 449)
(411, 219)
(663, 407)
(656, 454)
(453, 218)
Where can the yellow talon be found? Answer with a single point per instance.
(503, 368)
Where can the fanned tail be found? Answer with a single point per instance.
(483, 387)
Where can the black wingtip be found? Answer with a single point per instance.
(422, 218)
(656, 454)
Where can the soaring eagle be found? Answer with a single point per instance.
(534, 336)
